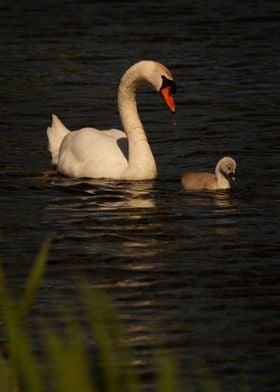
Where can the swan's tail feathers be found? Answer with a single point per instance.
(56, 134)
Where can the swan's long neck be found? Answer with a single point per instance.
(141, 162)
(222, 181)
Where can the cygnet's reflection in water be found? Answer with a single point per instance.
(216, 210)
(221, 198)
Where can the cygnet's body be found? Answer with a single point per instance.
(223, 178)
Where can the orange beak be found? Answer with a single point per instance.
(167, 96)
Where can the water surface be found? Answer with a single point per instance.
(196, 272)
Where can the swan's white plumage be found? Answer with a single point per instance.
(112, 153)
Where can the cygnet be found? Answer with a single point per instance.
(224, 177)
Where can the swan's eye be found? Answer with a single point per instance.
(168, 83)
(173, 88)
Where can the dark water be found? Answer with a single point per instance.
(197, 272)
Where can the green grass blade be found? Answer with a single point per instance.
(8, 381)
(34, 280)
(108, 332)
(26, 361)
(167, 374)
(70, 362)
(22, 359)
(100, 316)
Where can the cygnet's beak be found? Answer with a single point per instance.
(231, 177)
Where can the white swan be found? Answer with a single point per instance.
(114, 154)
(224, 177)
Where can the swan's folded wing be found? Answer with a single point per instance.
(90, 152)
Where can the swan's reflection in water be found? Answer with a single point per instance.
(118, 232)
(121, 218)
(136, 194)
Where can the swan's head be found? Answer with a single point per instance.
(157, 75)
(167, 89)
(227, 167)
(162, 80)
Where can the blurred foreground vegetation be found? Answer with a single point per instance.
(65, 362)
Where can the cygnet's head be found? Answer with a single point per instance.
(227, 167)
